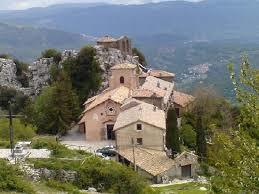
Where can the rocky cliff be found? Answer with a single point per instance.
(40, 70)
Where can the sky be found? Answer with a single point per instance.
(24, 4)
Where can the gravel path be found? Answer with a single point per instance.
(76, 140)
(34, 153)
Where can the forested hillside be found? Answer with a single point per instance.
(26, 43)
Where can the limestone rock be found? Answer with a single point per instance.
(40, 74)
(8, 74)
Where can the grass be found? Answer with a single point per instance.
(54, 188)
(186, 188)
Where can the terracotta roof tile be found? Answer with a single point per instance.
(140, 112)
(145, 93)
(182, 99)
(124, 66)
(152, 161)
(117, 95)
(159, 86)
(158, 74)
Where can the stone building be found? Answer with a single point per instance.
(123, 44)
(140, 131)
(142, 123)
(101, 111)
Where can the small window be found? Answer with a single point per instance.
(122, 80)
(139, 127)
(139, 141)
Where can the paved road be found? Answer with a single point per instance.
(34, 153)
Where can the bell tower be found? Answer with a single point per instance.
(124, 75)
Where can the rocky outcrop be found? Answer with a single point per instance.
(39, 74)
(39, 71)
(8, 74)
(108, 57)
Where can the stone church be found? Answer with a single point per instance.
(128, 81)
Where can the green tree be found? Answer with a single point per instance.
(172, 131)
(247, 94)
(52, 53)
(85, 73)
(235, 158)
(188, 136)
(201, 139)
(7, 94)
(233, 153)
(141, 56)
(56, 108)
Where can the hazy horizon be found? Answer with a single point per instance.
(26, 4)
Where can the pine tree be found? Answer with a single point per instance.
(201, 139)
(172, 131)
(57, 107)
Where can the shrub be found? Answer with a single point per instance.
(110, 176)
(11, 179)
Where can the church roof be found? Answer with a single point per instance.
(124, 66)
(142, 111)
(106, 39)
(117, 95)
(157, 73)
(146, 93)
(182, 99)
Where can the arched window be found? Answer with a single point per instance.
(122, 80)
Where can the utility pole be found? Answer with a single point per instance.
(133, 152)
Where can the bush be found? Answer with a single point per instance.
(11, 179)
(111, 177)
(7, 94)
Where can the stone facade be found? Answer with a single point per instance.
(123, 44)
(108, 57)
(152, 137)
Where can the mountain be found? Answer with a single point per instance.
(194, 40)
(26, 43)
(205, 20)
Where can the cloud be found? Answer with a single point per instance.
(24, 4)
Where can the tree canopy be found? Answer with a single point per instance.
(172, 132)
(85, 73)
